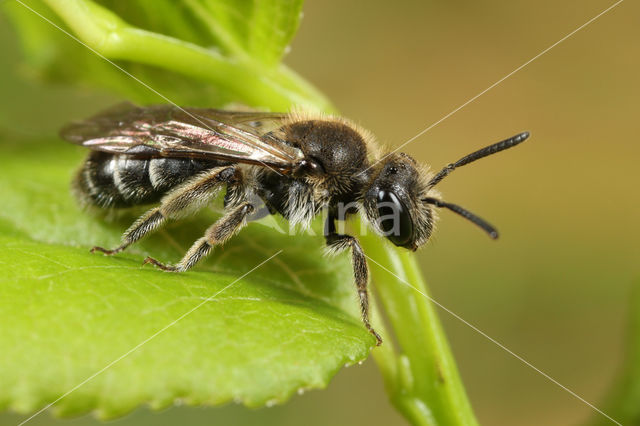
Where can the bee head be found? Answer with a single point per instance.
(401, 201)
(392, 202)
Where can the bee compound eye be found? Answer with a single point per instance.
(394, 218)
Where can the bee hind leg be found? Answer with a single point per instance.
(189, 196)
(217, 234)
(339, 242)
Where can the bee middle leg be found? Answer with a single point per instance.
(340, 242)
(217, 234)
(189, 196)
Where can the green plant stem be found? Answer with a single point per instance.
(424, 383)
(275, 87)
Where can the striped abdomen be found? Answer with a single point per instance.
(108, 180)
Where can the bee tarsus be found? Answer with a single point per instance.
(105, 251)
(159, 264)
(217, 234)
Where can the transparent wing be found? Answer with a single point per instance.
(169, 131)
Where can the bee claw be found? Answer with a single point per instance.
(377, 336)
(158, 264)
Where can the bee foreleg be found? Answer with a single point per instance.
(217, 234)
(187, 197)
(339, 242)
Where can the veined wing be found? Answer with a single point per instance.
(169, 131)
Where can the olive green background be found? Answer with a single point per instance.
(555, 287)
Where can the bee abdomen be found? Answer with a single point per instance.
(108, 180)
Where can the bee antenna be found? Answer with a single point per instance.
(489, 229)
(489, 150)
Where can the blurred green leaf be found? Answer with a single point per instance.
(261, 30)
(624, 401)
(192, 52)
(57, 58)
(288, 325)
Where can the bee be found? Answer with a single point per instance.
(297, 164)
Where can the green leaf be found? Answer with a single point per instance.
(288, 325)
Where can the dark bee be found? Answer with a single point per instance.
(296, 164)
